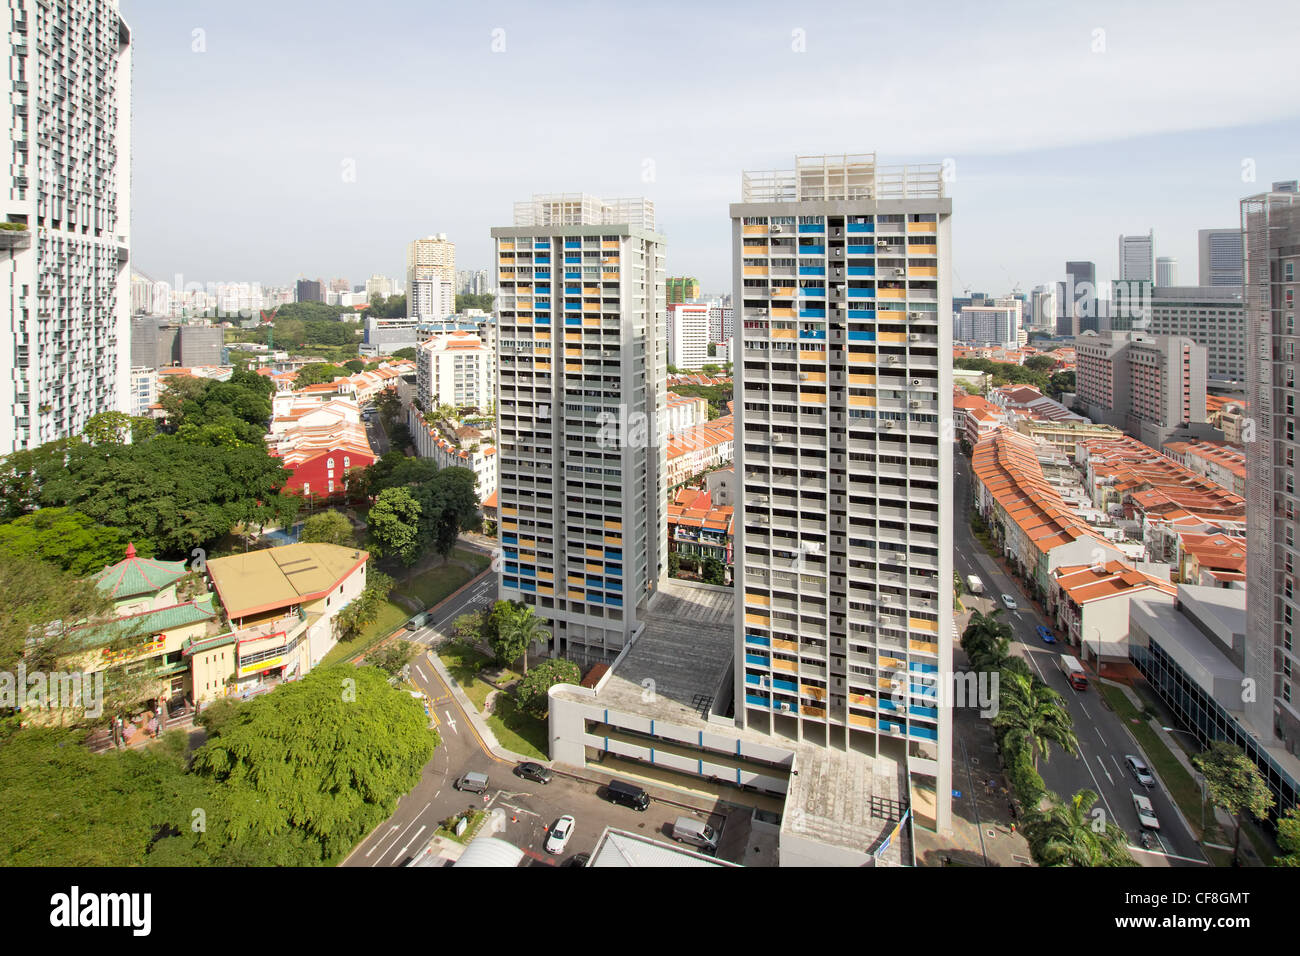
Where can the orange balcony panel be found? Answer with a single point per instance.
(856, 378)
(862, 700)
(921, 624)
(890, 662)
(924, 271)
(815, 398)
(762, 620)
(782, 333)
(754, 250)
(783, 313)
(781, 645)
(609, 276)
(806, 355)
(783, 292)
(890, 294)
(861, 358)
(530, 558)
(595, 553)
(755, 270)
(613, 526)
(545, 589)
(815, 376)
(546, 575)
(576, 579)
(590, 290)
(609, 244)
(573, 353)
(573, 336)
(922, 647)
(922, 250)
(506, 246)
(863, 401)
(591, 323)
(754, 230)
(572, 367)
(615, 539)
(810, 711)
(891, 336)
(527, 543)
(591, 307)
(857, 720)
(816, 693)
(510, 511)
(596, 568)
(509, 525)
(576, 593)
(762, 599)
(780, 665)
(922, 227)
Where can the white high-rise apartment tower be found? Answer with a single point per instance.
(582, 368)
(66, 322)
(430, 277)
(844, 386)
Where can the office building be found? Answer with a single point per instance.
(1137, 258)
(1166, 272)
(1043, 308)
(309, 290)
(990, 325)
(1077, 299)
(1212, 316)
(688, 336)
(159, 343)
(583, 355)
(1270, 225)
(1219, 257)
(844, 533)
(380, 285)
(65, 247)
(1148, 385)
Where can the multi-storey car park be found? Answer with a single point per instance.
(843, 388)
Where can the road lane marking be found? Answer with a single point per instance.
(421, 673)
(413, 839)
(383, 838)
(452, 721)
(1100, 791)
(403, 833)
(1102, 764)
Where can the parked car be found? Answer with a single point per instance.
(560, 834)
(1046, 635)
(1010, 602)
(578, 859)
(1146, 812)
(534, 771)
(628, 794)
(1140, 770)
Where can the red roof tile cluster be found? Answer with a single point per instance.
(1084, 583)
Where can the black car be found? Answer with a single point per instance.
(534, 771)
(578, 859)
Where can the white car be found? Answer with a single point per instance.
(1010, 602)
(1140, 770)
(1146, 812)
(560, 834)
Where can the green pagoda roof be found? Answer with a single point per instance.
(135, 575)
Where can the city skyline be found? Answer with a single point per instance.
(1016, 150)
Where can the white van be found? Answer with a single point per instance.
(696, 833)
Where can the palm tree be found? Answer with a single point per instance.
(1034, 714)
(1070, 834)
(986, 641)
(526, 628)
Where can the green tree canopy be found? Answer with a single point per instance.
(65, 538)
(1234, 784)
(1035, 715)
(328, 527)
(394, 523)
(39, 600)
(1072, 834)
(531, 692)
(316, 374)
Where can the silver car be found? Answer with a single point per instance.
(1140, 770)
(1010, 602)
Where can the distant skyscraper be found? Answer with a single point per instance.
(1137, 257)
(1271, 227)
(1220, 257)
(379, 285)
(688, 335)
(583, 360)
(1043, 308)
(844, 534)
(310, 290)
(66, 316)
(1077, 299)
(1166, 272)
(430, 262)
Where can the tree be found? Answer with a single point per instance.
(407, 353)
(715, 572)
(107, 428)
(472, 300)
(217, 714)
(39, 599)
(1288, 838)
(142, 429)
(448, 506)
(394, 522)
(1034, 714)
(512, 629)
(65, 538)
(531, 692)
(1067, 834)
(315, 374)
(1061, 382)
(674, 564)
(469, 627)
(355, 366)
(1235, 785)
(364, 608)
(1040, 363)
(318, 763)
(328, 527)
(392, 656)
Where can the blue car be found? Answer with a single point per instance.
(1046, 634)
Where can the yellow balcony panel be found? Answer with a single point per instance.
(545, 589)
(921, 624)
(810, 711)
(762, 620)
(595, 553)
(609, 276)
(510, 511)
(891, 336)
(857, 378)
(590, 290)
(781, 645)
(762, 599)
(755, 270)
(596, 568)
(857, 720)
(591, 307)
(529, 558)
(890, 294)
(609, 261)
(609, 244)
(884, 683)
(782, 333)
(573, 336)
(525, 320)
(807, 355)
(614, 539)
(576, 579)
(527, 543)
(510, 526)
(780, 665)
(573, 353)
(922, 250)
(892, 662)
(922, 227)
(815, 398)
(541, 366)
(542, 335)
(891, 315)
(754, 230)
(924, 271)
(503, 261)
(782, 292)
(862, 700)
(613, 526)
(816, 693)
(862, 358)
(505, 246)
(783, 313)
(571, 367)
(546, 575)
(591, 323)
(754, 250)
(863, 401)
(576, 593)
(922, 647)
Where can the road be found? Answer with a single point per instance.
(378, 439)
(1103, 739)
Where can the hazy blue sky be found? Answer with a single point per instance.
(248, 116)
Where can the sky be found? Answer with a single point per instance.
(274, 140)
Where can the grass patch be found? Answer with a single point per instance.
(391, 617)
(476, 818)
(475, 559)
(432, 586)
(516, 730)
(1179, 784)
(463, 664)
